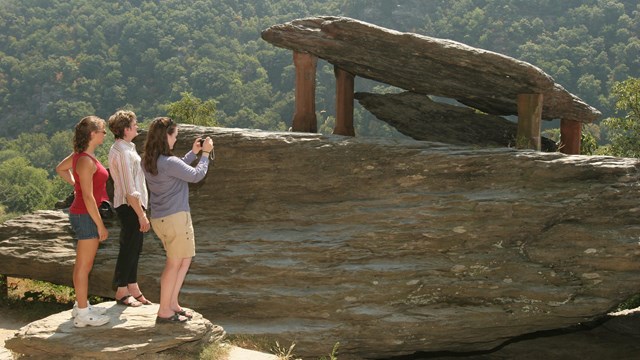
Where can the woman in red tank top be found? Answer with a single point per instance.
(88, 177)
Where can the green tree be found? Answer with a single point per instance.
(24, 188)
(624, 130)
(66, 114)
(42, 151)
(62, 60)
(192, 110)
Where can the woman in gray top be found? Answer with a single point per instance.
(167, 180)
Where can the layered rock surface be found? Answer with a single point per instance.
(388, 247)
(131, 333)
(479, 78)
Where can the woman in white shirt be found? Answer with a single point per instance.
(130, 200)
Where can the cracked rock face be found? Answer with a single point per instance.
(388, 247)
(479, 78)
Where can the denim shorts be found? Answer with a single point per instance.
(83, 226)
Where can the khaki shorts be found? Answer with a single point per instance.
(176, 233)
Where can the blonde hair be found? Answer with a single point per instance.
(119, 121)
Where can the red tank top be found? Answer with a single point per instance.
(100, 178)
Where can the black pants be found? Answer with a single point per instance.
(130, 247)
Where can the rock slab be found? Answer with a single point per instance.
(389, 247)
(421, 118)
(479, 78)
(132, 333)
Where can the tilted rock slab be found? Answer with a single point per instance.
(130, 334)
(479, 78)
(421, 118)
(388, 247)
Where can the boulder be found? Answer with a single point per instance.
(132, 333)
(387, 246)
(479, 78)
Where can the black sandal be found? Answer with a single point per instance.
(145, 301)
(184, 313)
(175, 318)
(123, 301)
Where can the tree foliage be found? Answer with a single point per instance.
(24, 188)
(624, 129)
(60, 60)
(191, 110)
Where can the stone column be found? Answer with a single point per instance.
(344, 102)
(529, 119)
(570, 136)
(304, 117)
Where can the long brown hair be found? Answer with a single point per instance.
(156, 143)
(84, 128)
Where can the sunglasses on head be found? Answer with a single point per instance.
(167, 122)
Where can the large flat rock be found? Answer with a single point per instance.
(479, 78)
(386, 246)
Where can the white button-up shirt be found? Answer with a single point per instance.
(128, 178)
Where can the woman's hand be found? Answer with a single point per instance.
(202, 144)
(144, 223)
(197, 145)
(207, 145)
(103, 233)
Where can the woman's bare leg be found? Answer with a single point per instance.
(85, 255)
(182, 273)
(167, 286)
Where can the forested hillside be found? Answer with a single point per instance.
(60, 60)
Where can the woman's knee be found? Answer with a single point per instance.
(83, 266)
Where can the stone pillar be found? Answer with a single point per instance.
(344, 102)
(304, 117)
(570, 136)
(529, 119)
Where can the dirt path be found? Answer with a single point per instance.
(8, 327)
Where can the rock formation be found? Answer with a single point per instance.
(479, 78)
(387, 246)
(419, 117)
(131, 334)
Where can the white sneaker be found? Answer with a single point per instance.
(91, 319)
(92, 309)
